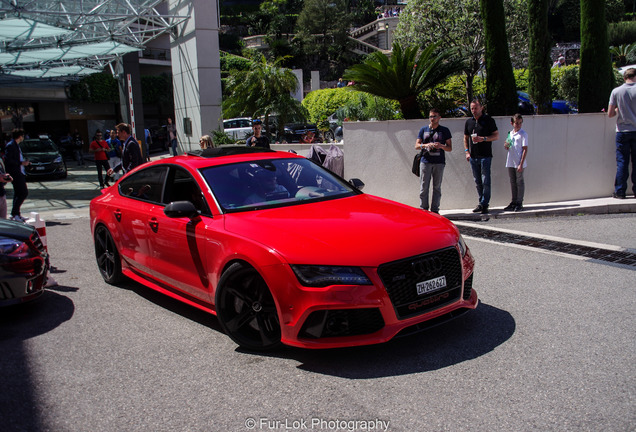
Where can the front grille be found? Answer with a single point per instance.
(401, 277)
(341, 322)
(468, 287)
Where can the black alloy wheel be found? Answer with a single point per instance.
(107, 256)
(246, 309)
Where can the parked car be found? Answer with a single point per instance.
(238, 128)
(281, 250)
(295, 130)
(558, 106)
(46, 159)
(24, 263)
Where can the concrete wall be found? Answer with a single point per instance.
(569, 157)
(196, 70)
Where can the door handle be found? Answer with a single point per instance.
(154, 225)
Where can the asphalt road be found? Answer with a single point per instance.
(550, 347)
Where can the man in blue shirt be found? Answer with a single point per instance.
(434, 141)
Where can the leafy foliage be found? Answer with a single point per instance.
(98, 88)
(500, 83)
(595, 74)
(355, 105)
(539, 56)
(623, 32)
(457, 24)
(157, 89)
(404, 75)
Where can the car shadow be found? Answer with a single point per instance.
(18, 406)
(468, 337)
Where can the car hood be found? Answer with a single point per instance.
(42, 157)
(362, 230)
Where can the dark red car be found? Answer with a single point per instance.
(281, 250)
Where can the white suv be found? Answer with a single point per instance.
(238, 128)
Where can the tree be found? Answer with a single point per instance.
(457, 24)
(404, 75)
(539, 59)
(500, 81)
(262, 90)
(323, 32)
(595, 73)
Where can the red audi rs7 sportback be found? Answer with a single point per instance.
(281, 250)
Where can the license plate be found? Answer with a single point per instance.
(39, 168)
(431, 285)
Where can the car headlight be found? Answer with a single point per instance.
(58, 159)
(461, 244)
(321, 276)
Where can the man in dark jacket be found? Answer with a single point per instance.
(130, 154)
(15, 163)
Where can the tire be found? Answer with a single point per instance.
(246, 309)
(329, 136)
(108, 260)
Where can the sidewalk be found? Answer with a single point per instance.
(607, 205)
(55, 197)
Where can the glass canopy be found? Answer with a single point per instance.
(44, 39)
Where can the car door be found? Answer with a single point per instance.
(140, 192)
(178, 245)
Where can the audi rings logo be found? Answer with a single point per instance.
(427, 266)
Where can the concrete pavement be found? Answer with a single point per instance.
(55, 198)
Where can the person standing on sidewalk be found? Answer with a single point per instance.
(479, 132)
(622, 104)
(130, 154)
(435, 141)
(100, 149)
(15, 163)
(4, 179)
(517, 146)
(172, 136)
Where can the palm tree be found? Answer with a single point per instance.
(262, 90)
(404, 75)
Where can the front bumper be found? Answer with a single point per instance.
(351, 315)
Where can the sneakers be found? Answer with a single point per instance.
(519, 207)
(18, 218)
(617, 196)
(478, 209)
(511, 206)
(484, 209)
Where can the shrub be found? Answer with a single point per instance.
(622, 33)
(354, 104)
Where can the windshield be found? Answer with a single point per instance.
(275, 182)
(38, 146)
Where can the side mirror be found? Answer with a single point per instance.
(178, 209)
(357, 183)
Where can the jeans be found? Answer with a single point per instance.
(173, 144)
(436, 171)
(625, 150)
(517, 185)
(481, 175)
(102, 165)
(20, 192)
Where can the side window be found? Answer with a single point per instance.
(145, 185)
(183, 187)
(245, 123)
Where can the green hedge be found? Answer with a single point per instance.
(622, 33)
(352, 104)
